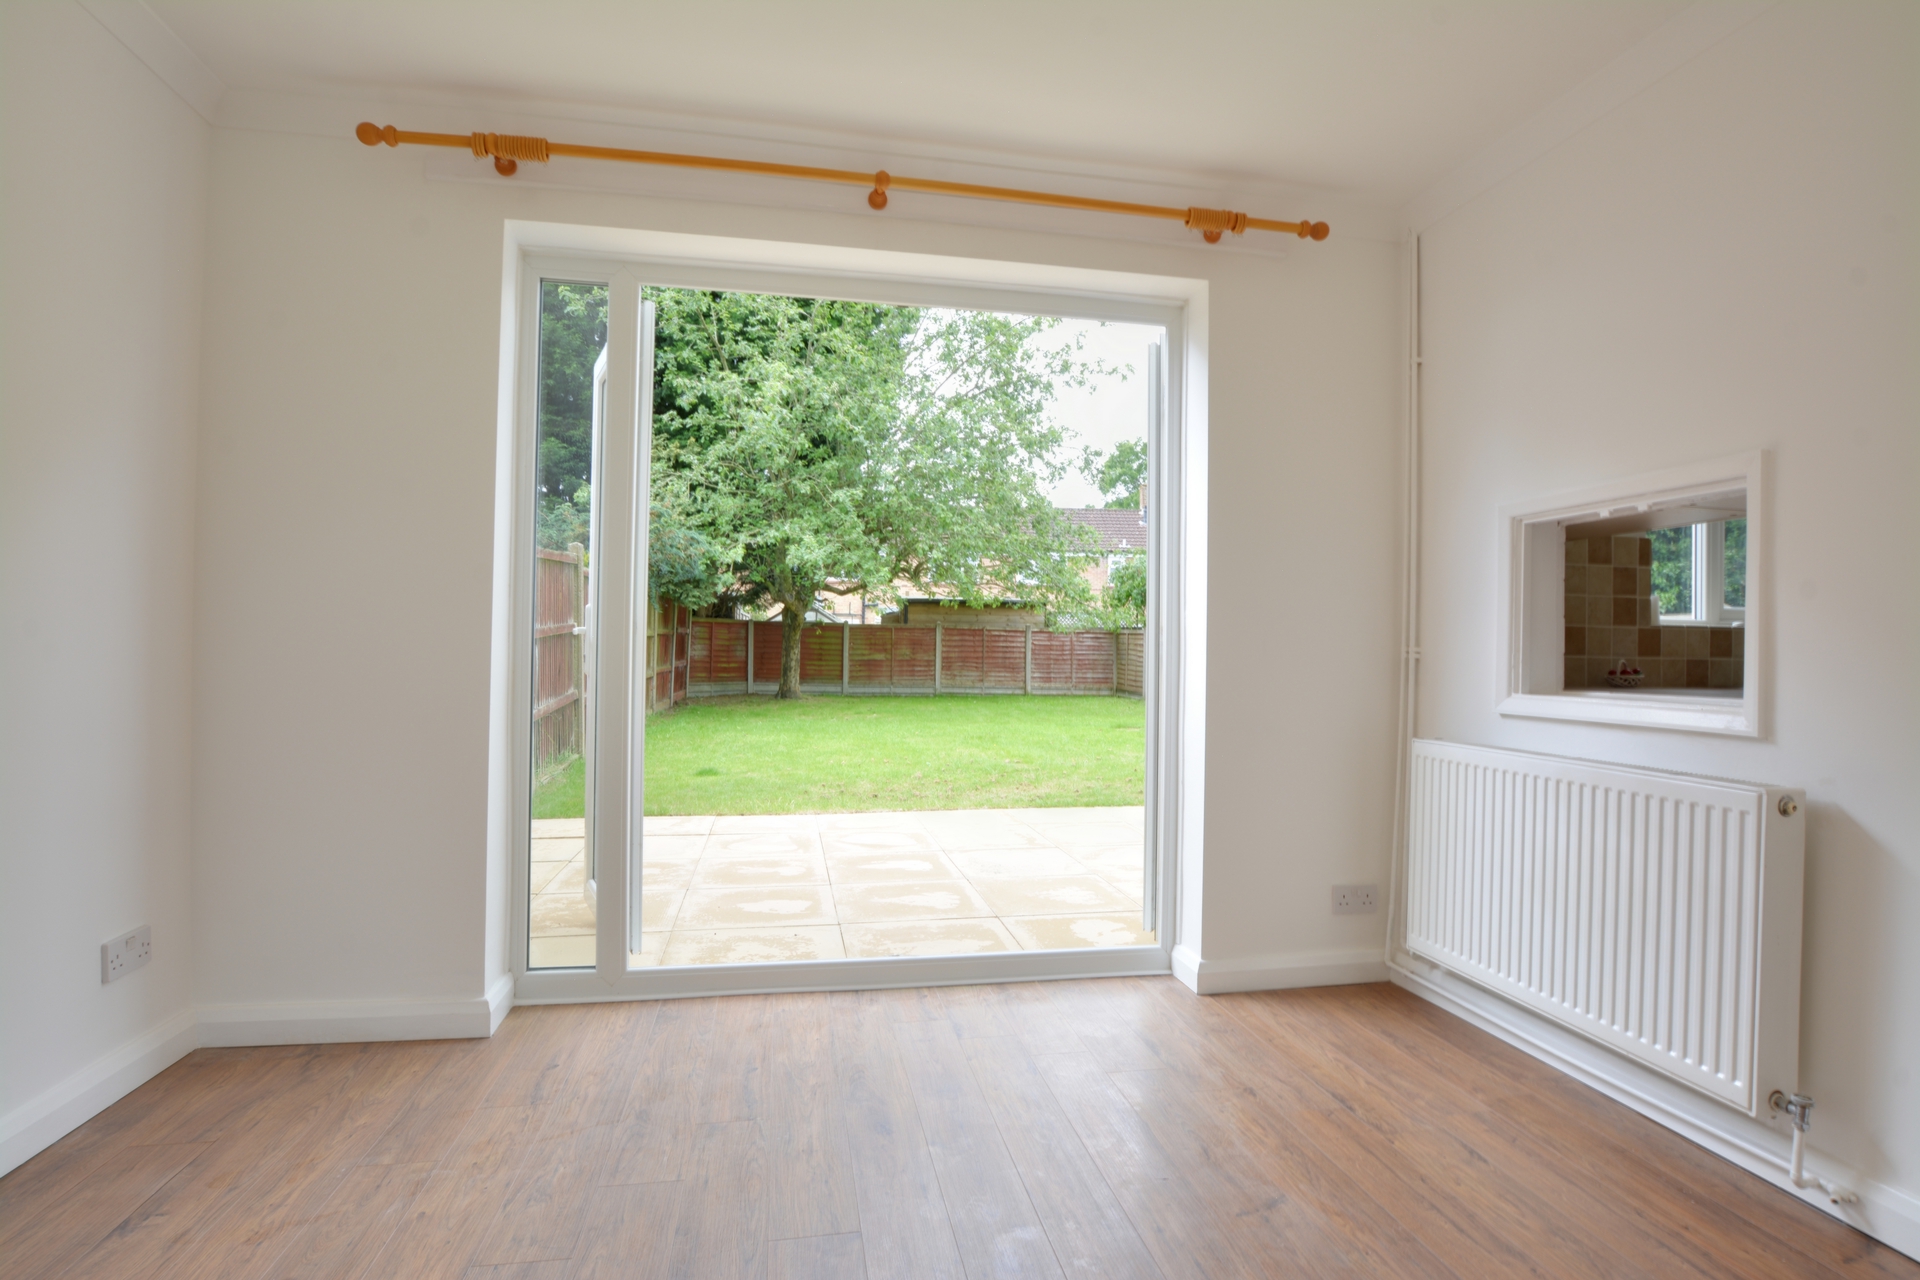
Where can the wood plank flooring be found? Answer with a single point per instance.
(1120, 1127)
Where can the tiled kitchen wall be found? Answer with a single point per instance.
(1610, 616)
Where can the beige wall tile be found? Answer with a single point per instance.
(1724, 673)
(1576, 550)
(1697, 642)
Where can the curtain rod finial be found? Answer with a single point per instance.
(373, 135)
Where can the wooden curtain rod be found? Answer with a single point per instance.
(508, 150)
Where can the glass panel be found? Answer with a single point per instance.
(863, 519)
(1736, 561)
(573, 336)
(1673, 570)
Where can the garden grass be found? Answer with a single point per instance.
(861, 754)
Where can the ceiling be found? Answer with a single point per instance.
(1373, 98)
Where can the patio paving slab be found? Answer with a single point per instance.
(733, 889)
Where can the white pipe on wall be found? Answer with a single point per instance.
(1409, 607)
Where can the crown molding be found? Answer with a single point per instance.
(164, 53)
(1679, 41)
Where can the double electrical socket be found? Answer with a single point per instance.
(1355, 899)
(125, 953)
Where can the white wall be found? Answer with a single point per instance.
(102, 230)
(1725, 262)
(346, 543)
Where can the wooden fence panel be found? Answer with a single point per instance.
(1003, 659)
(719, 657)
(1093, 662)
(962, 659)
(820, 657)
(912, 658)
(766, 653)
(706, 657)
(1130, 662)
(870, 657)
(559, 675)
(1052, 662)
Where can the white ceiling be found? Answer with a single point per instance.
(1373, 98)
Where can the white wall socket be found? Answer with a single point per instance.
(125, 953)
(1355, 899)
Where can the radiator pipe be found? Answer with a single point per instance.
(1799, 1109)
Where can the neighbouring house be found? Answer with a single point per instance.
(927, 611)
(1122, 532)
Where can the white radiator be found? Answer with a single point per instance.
(1657, 913)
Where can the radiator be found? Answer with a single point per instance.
(1655, 913)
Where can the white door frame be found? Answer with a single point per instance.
(625, 260)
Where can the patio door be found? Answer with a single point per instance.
(582, 442)
(587, 392)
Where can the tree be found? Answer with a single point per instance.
(1120, 475)
(815, 442)
(573, 332)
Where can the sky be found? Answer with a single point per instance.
(1109, 409)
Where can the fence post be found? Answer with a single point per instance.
(936, 657)
(846, 655)
(1026, 673)
(577, 643)
(749, 655)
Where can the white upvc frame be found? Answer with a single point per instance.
(627, 259)
(1530, 672)
(1707, 570)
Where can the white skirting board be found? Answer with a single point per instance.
(40, 1122)
(1277, 973)
(1888, 1214)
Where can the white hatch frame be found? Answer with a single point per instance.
(626, 260)
(1530, 675)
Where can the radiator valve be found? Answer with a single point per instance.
(1799, 1109)
(1798, 1106)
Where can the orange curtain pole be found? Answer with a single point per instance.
(507, 150)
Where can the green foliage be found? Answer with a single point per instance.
(826, 755)
(563, 523)
(573, 332)
(681, 564)
(1122, 604)
(1118, 475)
(1736, 561)
(810, 441)
(1673, 569)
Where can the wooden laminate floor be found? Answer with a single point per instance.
(1120, 1127)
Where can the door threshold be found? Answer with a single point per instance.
(580, 986)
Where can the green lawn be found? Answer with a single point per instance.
(847, 755)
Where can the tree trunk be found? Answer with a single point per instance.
(791, 621)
